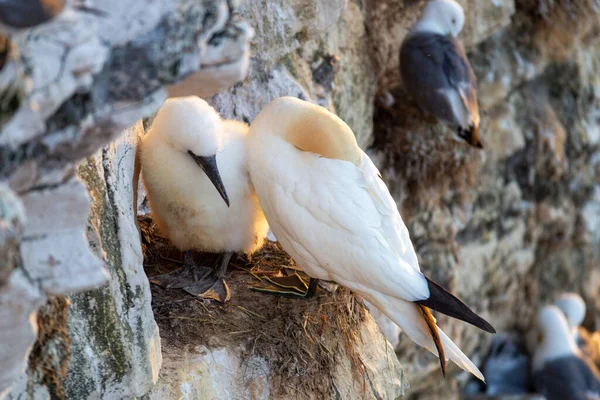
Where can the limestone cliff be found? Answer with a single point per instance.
(505, 228)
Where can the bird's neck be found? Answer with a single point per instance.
(556, 344)
(428, 26)
(321, 134)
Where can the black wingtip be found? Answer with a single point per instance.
(445, 302)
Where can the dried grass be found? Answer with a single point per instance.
(299, 338)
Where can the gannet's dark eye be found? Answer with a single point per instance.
(453, 20)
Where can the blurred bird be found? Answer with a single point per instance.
(330, 210)
(573, 307)
(186, 190)
(560, 371)
(23, 14)
(436, 72)
(507, 368)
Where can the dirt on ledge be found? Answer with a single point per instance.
(298, 337)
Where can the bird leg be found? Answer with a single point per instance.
(312, 288)
(187, 275)
(430, 321)
(215, 289)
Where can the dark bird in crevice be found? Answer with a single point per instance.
(436, 72)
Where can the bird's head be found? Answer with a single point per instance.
(191, 127)
(445, 17)
(573, 306)
(308, 127)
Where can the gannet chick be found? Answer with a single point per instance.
(186, 189)
(330, 210)
(573, 307)
(560, 371)
(436, 72)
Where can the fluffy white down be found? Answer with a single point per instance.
(186, 206)
(339, 222)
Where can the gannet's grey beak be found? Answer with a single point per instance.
(209, 166)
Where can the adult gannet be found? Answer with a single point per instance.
(560, 371)
(187, 191)
(330, 210)
(436, 72)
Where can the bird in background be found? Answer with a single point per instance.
(329, 208)
(573, 307)
(23, 14)
(506, 367)
(560, 370)
(436, 72)
(194, 169)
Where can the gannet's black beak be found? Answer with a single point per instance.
(209, 166)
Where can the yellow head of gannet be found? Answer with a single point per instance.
(186, 189)
(328, 207)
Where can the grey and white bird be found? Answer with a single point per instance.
(436, 72)
(560, 370)
(193, 166)
(573, 307)
(506, 368)
(332, 213)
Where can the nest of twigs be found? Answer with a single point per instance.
(299, 338)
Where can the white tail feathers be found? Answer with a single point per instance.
(408, 317)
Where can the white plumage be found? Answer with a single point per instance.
(442, 17)
(330, 210)
(560, 370)
(389, 329)
(185, 203)
(573, 307)
(556, 341)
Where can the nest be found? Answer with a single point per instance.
(299, 338)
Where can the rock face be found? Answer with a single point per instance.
(505, 228)
(509, 227)
(115, 346)
(73, 85)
